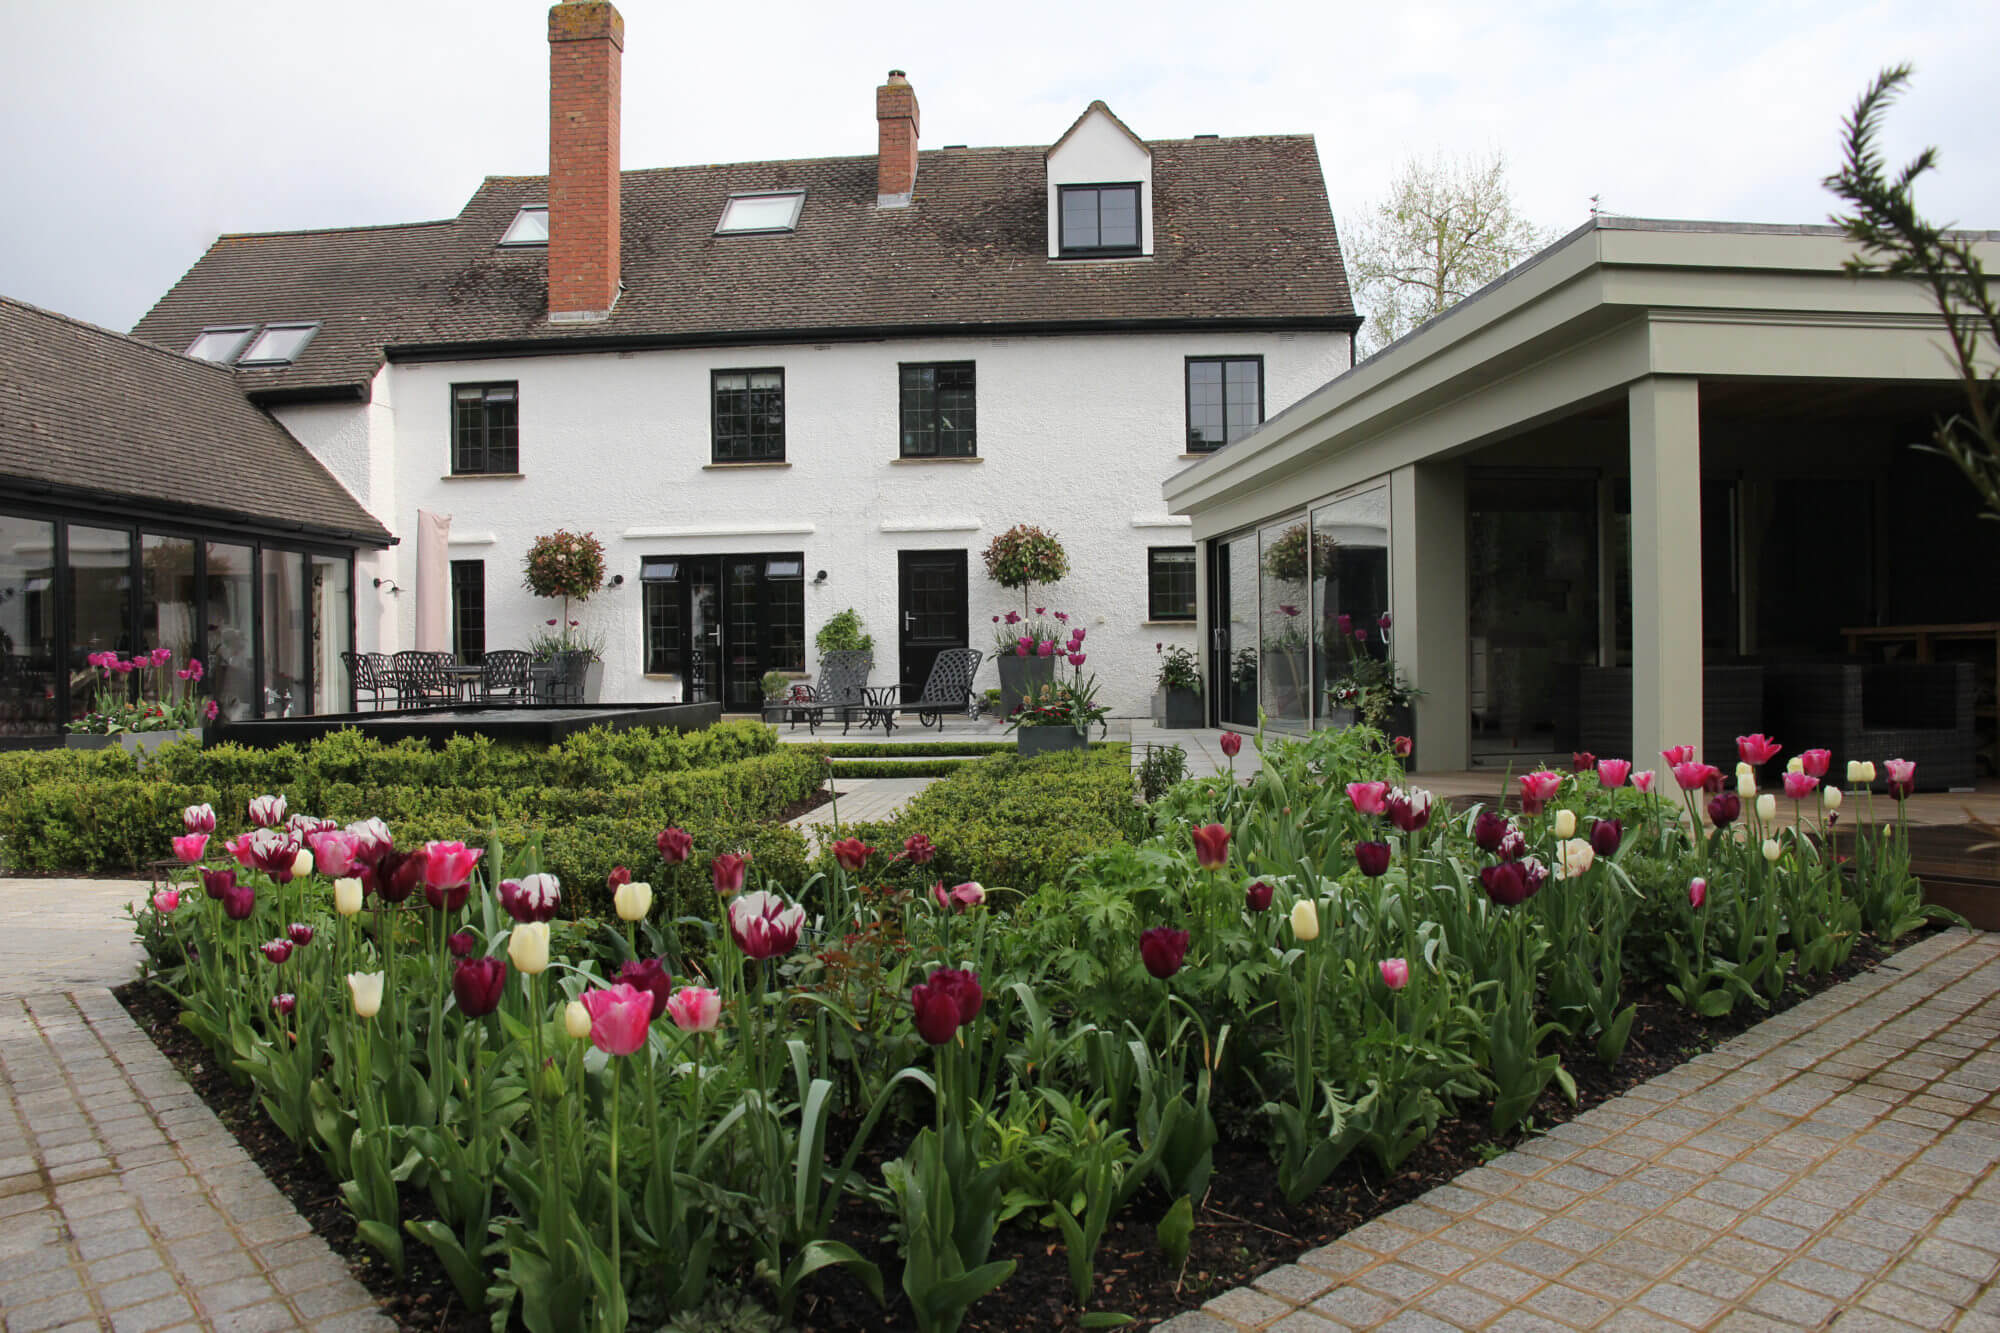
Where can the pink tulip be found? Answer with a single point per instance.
(1395, 973)
(1613, 772)
(619, 1017)
(726, 870)
(266, 811)
(1693, 776)
(333, 854)
(167, 901)
(763, 924)
(695, 1009)
(189, 847)
(1697, 893)
(1077, 659)
(1757, 749)
(1815, 762)
(209, 710)
(1231, 743)
(1538, 789)
(1798, 786)
(1643, 782)
(1368, 798)
(1901, 775)
(448, 865)
(1679, 754)
(959, 896)
(1046, 648)
(1211, 846)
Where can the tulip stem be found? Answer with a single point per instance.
(617, 1197)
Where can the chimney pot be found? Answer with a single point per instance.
(896, 142)
(586, 46)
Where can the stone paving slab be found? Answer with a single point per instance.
(1833, 1167)
(63, 934)
(126, 1205)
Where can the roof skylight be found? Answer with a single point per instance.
(529, 227)
(279, 344)
(221, 343)
(761, 212)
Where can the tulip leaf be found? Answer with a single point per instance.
(958, 1292)
(467, 1276)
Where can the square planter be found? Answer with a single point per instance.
(1020, 676)
(1178, 709)
(133, 742)
(1031, 741)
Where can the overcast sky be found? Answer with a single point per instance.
(135, 131)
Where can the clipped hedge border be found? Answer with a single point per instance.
(893, 768)
(924, 749)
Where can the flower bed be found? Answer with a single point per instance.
(1321, 967)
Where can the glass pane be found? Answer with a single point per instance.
(279, 344)
(219, 344)
(785, 600)
(230, 629)
(27, 627)
(1079, 219)
(530, 227)
(775, 212)
(1532, 584)
(100, 598)
(166, 604)
(1350, 552)
(1285, 656)
(1236, 613)
(284, 634)
(332, 600)
(1118, 217)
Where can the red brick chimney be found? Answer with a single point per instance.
(586, 44)
(896, 158)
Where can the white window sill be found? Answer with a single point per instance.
(1189, 623)
(901, 462)
(484, 476)
(732, 467)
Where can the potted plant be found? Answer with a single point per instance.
(1060, 714)
(569, 565)
(1018, 559)
(779, 689)
(1177, 701)
(169, 706)
(1372, 690)
(844, 632)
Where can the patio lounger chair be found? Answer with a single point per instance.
(559, 677)
(842, 686)
(949, 690)
(504, 678)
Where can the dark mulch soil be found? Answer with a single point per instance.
(1242, 1228)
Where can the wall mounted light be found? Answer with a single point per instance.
(390, 584)
(617, 580)
(819, 578)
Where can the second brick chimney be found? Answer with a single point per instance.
(896, 157)
(586, 47)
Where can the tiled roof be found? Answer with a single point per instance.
(1243, 237)
(86, 409)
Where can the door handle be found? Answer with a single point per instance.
(908, 616)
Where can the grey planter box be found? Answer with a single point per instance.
(135, 742)
(1178, 710)
(1031, 741)
(1019, 676)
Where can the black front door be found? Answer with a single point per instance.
(933, 613)
(1232, 639)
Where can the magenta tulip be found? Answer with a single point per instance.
(1372, 857)
(1211, 846)
(1757, 749)
(198, 819)
(675, 845)
(1901, 776)
(726, 870)
(1538, 789)
(1798, 786)
(531, 897)
(1046, 648)
(918, 849)
(1077, 659)
(649, 975)
(1488, 828)
(1582, 761)
(1815, 762)
(1409, 809)
(1344, 623)
(1395, 973)
(448, 872)
(477, 984)
(1605, 835)
(333, 853)
(764, 925)
(276, 951)
(1163, 949)
(1693, 776)
(167, 901)
(460, 943)
(1258, 897)
(852, 854)
(239, 901)
(1677, 755)
(1368, 798)
(191, 847)
(1697, 892)
(619, 1017)
(695, 1009)
(1231, 743)
(299, 933)
(1613, 772)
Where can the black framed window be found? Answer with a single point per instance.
(1170, 583)
(938, 411)
(1225, 400)
(749, 415)
(468, 610)
(1099, 219)
(661, 596)
(485, 429)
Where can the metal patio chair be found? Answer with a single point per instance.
(842, 686)
(949, 690)
(504, 676)
(421, 680)
(366, 683)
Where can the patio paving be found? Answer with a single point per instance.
(1833, 1167)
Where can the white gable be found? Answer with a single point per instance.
(1099, 150)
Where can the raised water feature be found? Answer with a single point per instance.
(545, 724)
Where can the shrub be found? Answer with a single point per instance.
(843, 632)
(1023, 556)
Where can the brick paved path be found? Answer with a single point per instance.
(1832, 1167)
(125, 1204)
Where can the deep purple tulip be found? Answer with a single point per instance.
(1724, 808)
(1258, 897)
(239, 901)
(1163, 949)
(1605, 835)
(460, 944)
(395, 875)
(218, 882)
(1489, 827)
(477, 984)
(1506, 883)
(1372, 857)
(649, 975)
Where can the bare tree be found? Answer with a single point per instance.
(1447, 228)
(1895, 239)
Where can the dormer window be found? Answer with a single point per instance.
(221, 343)
(279, 344)
(746, 214)
(1100, 219)
(529, 227)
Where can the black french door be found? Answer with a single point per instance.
(932, 610)
(722, 621)
(1232, 638)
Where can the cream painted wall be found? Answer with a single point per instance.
(1098, 152)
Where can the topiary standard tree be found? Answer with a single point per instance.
(1023, 556)
(564, 564)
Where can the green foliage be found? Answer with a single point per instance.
(843, 632)
(1023, 556)
(912, 749)
(1163, 768)
(1179, 669)
(564, 564)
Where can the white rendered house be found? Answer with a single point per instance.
(775, 390)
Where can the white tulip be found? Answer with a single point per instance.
(528, 947)
(1795, 765)
(366, 989)
(1577, 855)
(1565, 825)
(576, 1020)
(1746, 785)
(1831, 795)
(1305, 921)
(347, 896)
(1767, 807)
(302, 864)
(1773, 849)
(633, 900)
